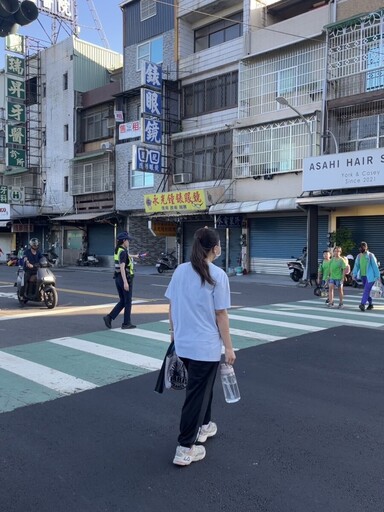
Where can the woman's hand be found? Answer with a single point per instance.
(230, 356)
(126, 286)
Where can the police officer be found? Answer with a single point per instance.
(124, 281)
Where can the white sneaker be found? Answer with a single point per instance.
(206, 431)
(184, 456)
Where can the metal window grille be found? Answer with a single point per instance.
(147, 9)
(271, 148)
(91, 177)
(356, 56)
(297, 74)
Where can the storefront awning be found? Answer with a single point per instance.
(84, 216)
(271, 205)
(342, 200)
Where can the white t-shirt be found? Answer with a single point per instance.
(193, 308)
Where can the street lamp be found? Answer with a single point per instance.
(311, 243)
(283, 101)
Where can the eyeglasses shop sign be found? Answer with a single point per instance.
(5, 211)
(356, 169)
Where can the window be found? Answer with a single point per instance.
(219, 32)
(65, 81)
(66, 132)
(66, 183)
(151, 51)
(209, 95)
(91, 177)
(375, 67)
(44, 90)
(363, 133)
(271, 148)
(207, 157)
(140, 179)
(147, 9)
(94, 123)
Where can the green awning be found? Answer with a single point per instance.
(88, 156)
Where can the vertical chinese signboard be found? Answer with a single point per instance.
(147, 156)
(16, 105)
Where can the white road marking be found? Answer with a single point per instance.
(142, 333)
(338, 319)
(8, 295)
(48, 377)
(248, 334)
(299, 327)
(116, 354)
(62, 310)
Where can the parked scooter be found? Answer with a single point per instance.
(12, 259)
(87, 260)
(52, 256)
(296, 268)
(41, 290)
(166, 261)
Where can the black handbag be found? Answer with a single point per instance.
(173, 373)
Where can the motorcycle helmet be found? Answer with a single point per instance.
(34, 243)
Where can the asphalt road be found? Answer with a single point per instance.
(306, 436)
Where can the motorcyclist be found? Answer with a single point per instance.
(32, 256)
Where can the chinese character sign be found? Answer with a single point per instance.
(152, 131)
(130, 130)
(15, 43)
(146, 159)
(16, 157)
(60, 8)
(151, 102)
(15, 89)
(177, 201)
(15, 65)
(16, 112)
(152, 75)
(16, 134)
(3, 194)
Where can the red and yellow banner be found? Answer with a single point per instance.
(177, 201)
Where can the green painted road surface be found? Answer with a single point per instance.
(38, 372)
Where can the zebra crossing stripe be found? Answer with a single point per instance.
(123, 356)
(142, 333)
(289, 325)
(58, 381)
(299, 314)
(248, 334)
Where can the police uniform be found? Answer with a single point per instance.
(121, 256)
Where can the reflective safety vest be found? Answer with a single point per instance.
(128, 266)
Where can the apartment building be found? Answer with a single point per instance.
(42, 185)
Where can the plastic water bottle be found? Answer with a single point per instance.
(229, 382)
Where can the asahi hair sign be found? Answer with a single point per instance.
(5, 211)
(356, 169)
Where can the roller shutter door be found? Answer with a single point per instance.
(368, 228)
(283, 237)
(101, 240)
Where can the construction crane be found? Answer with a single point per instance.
(99, 26)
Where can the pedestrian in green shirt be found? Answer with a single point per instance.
(337, 271)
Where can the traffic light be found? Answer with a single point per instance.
(13, 13)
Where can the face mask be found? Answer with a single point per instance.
(218, 254)
(362, 249)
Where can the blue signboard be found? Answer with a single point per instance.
(151, 102)
(146, 159)
(152, 75)
(152, 131)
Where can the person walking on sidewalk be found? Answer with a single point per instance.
(124, 281)
(199, 298)
(366, 265)
(337, 270)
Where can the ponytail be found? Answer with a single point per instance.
(205, 239)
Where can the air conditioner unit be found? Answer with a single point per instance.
(106, 146)
(185, 177)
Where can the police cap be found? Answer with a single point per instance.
(124, 236)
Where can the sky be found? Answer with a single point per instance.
(110, 17)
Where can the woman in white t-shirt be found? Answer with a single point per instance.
(199, 298)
